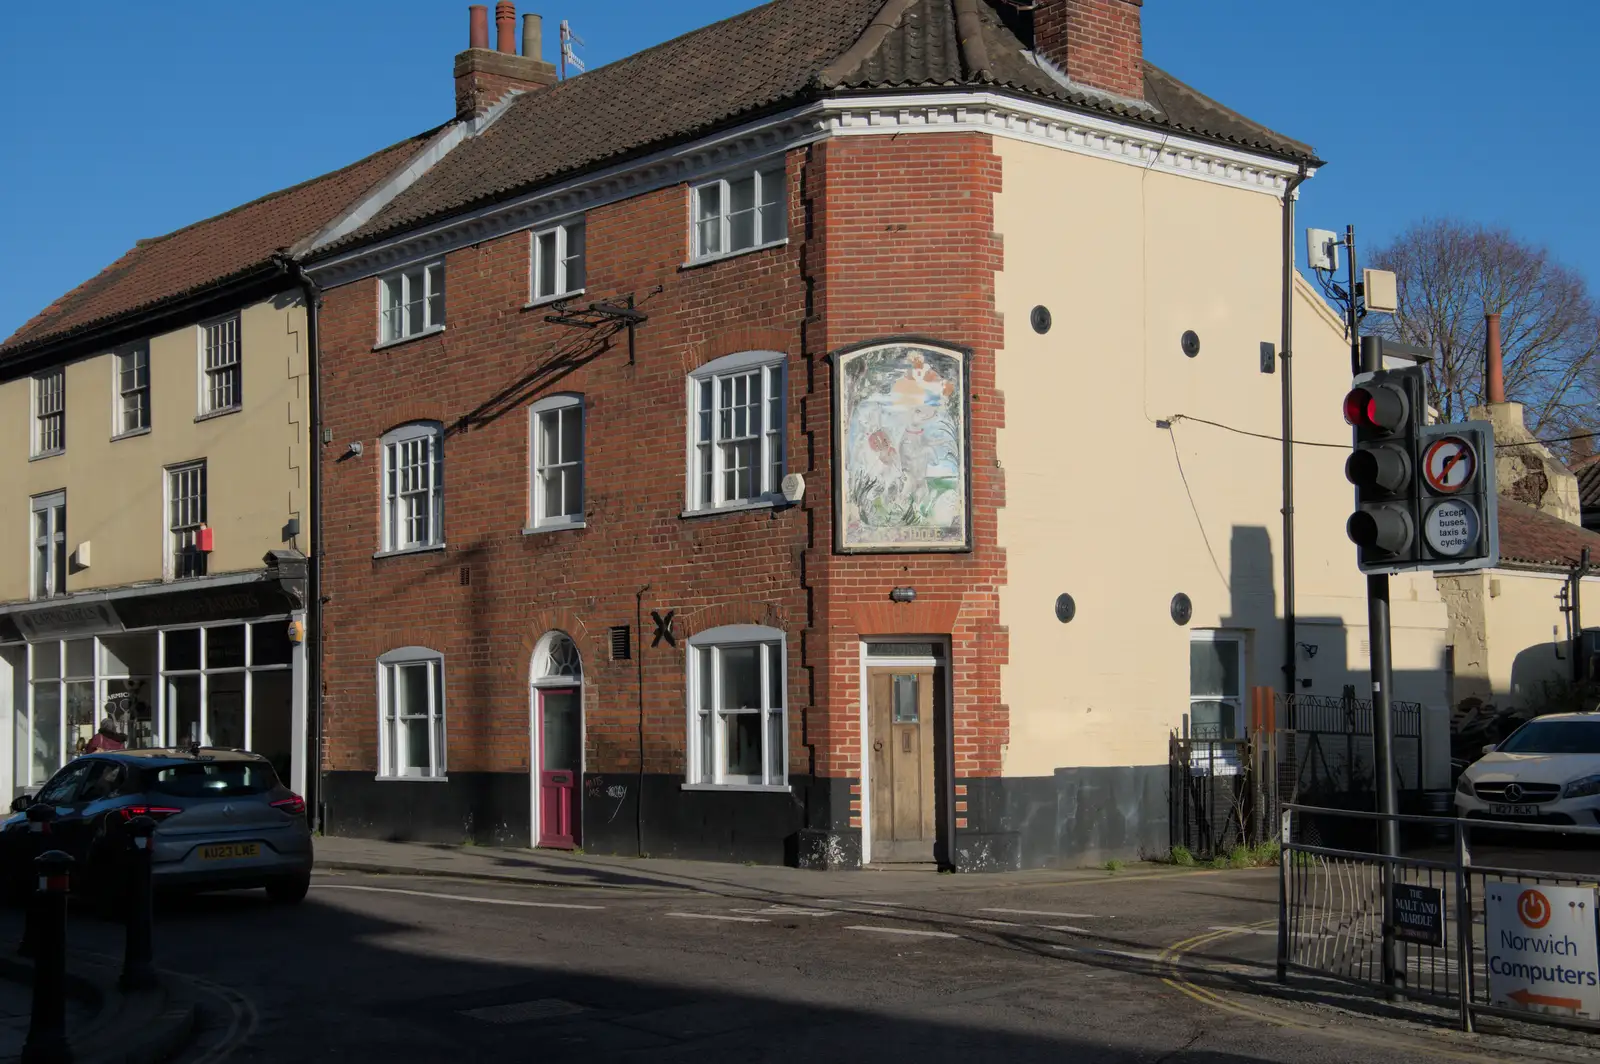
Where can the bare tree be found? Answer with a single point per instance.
(1450, 274)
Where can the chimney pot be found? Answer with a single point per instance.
(1494, 370)
(477, 26)
(505, 27)
(532, 36)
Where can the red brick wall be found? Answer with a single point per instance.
(887, 236)
(1097, 42)
(722, 569)
(908, 246)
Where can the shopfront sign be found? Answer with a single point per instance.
(204, 605)
(71, 618)
(1541, 947)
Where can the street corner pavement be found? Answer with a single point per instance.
(104, 1022)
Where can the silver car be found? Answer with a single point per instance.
(224, 821)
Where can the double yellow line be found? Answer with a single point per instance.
(1170, 957)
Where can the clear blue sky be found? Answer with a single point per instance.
(128, 120)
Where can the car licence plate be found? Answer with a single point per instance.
(1513, 810)
(230, 851)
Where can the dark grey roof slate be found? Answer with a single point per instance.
(768, 58)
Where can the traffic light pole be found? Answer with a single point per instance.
(1382, 678)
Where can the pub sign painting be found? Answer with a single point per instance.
(901, 440)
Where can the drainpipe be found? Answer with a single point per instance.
(1286, 346)
(638, 794)
(313, 298)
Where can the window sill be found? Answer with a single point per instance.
(217, 413)
(431, 330)
(767, 788)
(545, 301)
(555, 526)
(726, 255)
(412, 779)
(736, 508)
(130, 434)
(429, 549)
(46, 454)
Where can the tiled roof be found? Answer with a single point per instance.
(1588, 474)
(768, 58)
(197, 256)
(1532, 537)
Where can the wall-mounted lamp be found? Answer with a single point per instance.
(355, 448)
(903, 594)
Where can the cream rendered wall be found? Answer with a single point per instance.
(1524, 630)
(1103, 504)
(256, 476)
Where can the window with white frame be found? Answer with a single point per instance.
(1216, 701)
(133, 390)
(557, 461)
(50, 412)
(413, 487)
(413, 301)
(221, 384)
(411, 714)
(739, 212)
(49, 516)
(558, 260)
(738, 731)
(186, 516)
(736, 423)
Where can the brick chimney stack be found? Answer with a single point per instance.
(484, 75)
(1097, 43)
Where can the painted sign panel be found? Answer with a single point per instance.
(1451, 527)
(1419, 914)
(1541, 948)
(900, 437)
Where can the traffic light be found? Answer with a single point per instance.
(1425, 494)
(1385, 409)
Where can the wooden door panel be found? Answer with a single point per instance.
(902, 755)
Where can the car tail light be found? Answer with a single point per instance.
(155, 812)
(294, 805)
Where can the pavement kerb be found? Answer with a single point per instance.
(1338, 1022)
(972, 881)
(138, 1027)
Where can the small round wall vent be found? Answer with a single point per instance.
(1182, 608)
(1066, 609)
(1039, 317)
(1190, 342)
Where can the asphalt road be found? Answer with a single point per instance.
(406, 969)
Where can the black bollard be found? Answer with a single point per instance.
(40, 818)
(47, 1030)
(138, 964)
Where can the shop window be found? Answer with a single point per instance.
(411, 737)
(737, 722)
(241, 697)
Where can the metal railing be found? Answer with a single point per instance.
(1337, 911)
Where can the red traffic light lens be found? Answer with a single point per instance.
(1358, 408)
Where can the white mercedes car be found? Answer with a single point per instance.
(1546, 772)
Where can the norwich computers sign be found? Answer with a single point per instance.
(1541, 947)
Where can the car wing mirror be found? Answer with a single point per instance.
(21, 802)
(1488, 748)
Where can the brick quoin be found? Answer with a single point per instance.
(886, 238)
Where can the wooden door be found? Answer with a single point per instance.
(900, 715)
(560, 764)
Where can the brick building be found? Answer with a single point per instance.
(685, 484)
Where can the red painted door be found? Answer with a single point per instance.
(560, 764)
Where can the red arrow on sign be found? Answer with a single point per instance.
(1528, 997)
